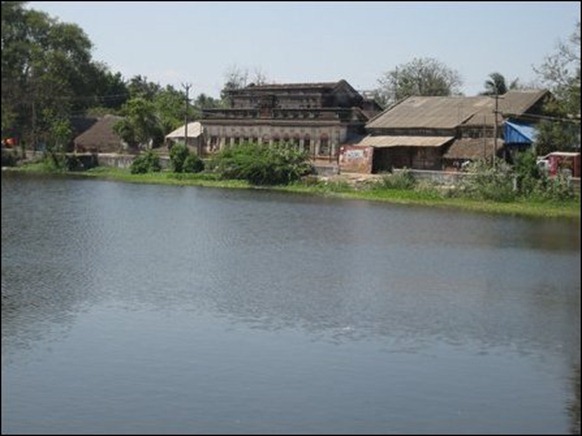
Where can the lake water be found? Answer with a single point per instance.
(163, 310)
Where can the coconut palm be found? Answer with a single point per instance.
(496, 85)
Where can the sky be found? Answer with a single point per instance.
(198, 43)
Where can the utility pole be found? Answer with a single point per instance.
(495, 128)
(186, 86)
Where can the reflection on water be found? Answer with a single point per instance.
(259, 312)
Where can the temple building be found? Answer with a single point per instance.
(317, 117)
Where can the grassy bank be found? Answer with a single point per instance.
(338, 189)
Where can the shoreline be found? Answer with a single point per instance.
(342, 186)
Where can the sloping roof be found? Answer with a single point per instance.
(513, 103)
(195, 129)
(518, 133)
(429, 112)
(472, 149)
(101, 136)
(80, 124)
(450, 112)
(518, 102)
(404, 141)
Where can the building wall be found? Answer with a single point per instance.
(318, 140)
(420, 158)
(355, 159)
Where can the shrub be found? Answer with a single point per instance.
(262, 164)
(489, 181)
(193, 164)
(9, 157)
(178, 154)
(402, 180)
(146, 163)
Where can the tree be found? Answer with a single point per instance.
(237, 78)
(560, 72)
(420, 77)
(170, 106)
(141, 126)
(496, 85)
(139, 86)
(47, 71)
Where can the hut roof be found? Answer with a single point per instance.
(195, 129)
(100, 137)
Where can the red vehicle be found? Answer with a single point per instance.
(561, 162)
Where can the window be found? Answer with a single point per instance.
(307, 143)
(324, 145)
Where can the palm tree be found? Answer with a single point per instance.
(496, 85)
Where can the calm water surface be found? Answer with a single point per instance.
(153, 309)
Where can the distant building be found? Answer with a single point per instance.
(191, 135)
(436, 133)
(316, 117)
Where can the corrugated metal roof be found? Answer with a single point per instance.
(429, 112)
(518, 102)
(194, 130)
(404, 141)
(450, 112)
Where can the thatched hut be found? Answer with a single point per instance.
(100, 137)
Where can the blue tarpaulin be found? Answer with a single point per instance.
(518, 133)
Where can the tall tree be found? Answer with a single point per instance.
(141, 126)
(496, 85)
(420, 77)
(560, 72)
(47, 71)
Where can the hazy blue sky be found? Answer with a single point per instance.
(289, 42)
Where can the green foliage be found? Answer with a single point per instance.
(47, 71)
(262, 164)
(141, 125)
(497, 85)
(147, 162)
(502, 183)
(528, 175)
(178, 154)
(560, 72)
(193, 164)
(560, 135)
(558, 188)
(9, 157)
(489, 181)
(183, 161)
(55, 162)
(401, 180)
